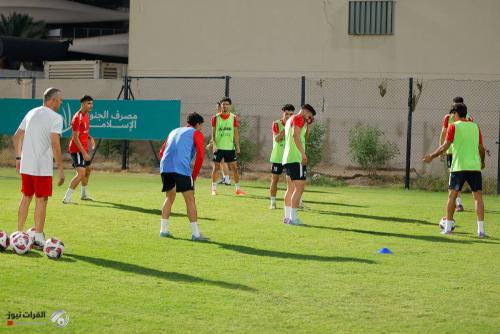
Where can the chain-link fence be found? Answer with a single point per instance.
(345, 107)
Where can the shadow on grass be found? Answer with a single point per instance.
(120, 206)
(305, 201)
(33, 253)
(431, 238)
(10, 177)
(165, 275)
(381, 218)
(281, 189)
(284, 255)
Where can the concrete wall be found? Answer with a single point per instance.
(287, 38)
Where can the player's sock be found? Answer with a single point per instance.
(448, 225)
(84, 191)
(67, 196)
(459, 200)
(273, 200)
(164, 225)
(288, 210)
(214, 186)
(480, 227)
(293, 213)
(196, 231)
(226, 179)
(39, 238)
(237, 185)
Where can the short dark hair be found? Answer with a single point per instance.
(288, 107)
(225, 99)
(460, 109)
(86, 98)
(194, 118)
(309, 108)
(458, 99)
(50, 93)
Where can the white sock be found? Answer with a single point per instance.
(459, 200)
(164, 225)
(287, 211)
(226, 179)
(84, 191)
(214, 186)
(39, 237)
(237, 185)
(67, 196)
(273, 200)
(447, 225)
(196, 231)
(480, 226)
(293, 213)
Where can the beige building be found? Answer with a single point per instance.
(286, 38)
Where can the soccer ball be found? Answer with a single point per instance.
(31, 234)
(53, 248)
(4, 240)
(442, 224)
(13, 234)
(21, 243)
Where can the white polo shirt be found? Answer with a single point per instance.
(37, 156)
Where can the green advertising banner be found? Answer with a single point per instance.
(110, 119)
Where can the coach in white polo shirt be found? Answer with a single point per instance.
(37, 144)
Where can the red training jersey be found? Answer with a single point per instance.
(80, 123)
(276, 129)
(450, 133)
(214, 119)
(297, 120)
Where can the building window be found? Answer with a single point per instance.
(371, 17)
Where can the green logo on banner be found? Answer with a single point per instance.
(110, 119)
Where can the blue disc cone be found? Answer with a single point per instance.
(384, 251)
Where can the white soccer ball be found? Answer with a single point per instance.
(21, 243)
(31, 233)
(442, 224)
(53, 248)
(4, 240)
(13, 234)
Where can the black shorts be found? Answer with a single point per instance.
(449, 160)
(181, 183)
(296, 171)
(473, 178)
(78, 160)
(277, 168)
(227, 155)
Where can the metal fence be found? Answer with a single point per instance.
(342, 103)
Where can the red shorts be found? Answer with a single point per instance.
(40, 186)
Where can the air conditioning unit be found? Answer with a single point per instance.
(84, 69)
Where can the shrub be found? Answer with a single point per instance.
(368, 149)
(315, 144)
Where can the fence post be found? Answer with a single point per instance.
(498, 163)
(226, 90)
(33, 87)
(303, 90)
(408, 133)
(125, 143)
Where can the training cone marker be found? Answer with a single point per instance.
(384, 251)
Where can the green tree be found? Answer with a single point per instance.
(22, 25)
(368, 149)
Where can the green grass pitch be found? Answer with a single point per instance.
(257, 275)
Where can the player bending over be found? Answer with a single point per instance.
(176, 154)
